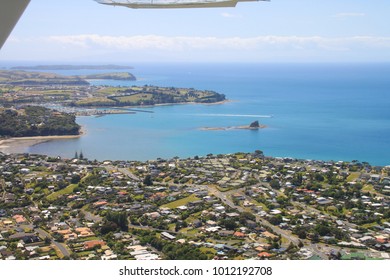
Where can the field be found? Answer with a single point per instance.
(55, 195)
(180, 202)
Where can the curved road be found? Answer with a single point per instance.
(65, 251)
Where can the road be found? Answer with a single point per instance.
(224, 196)
(124, 171)
(43, 234)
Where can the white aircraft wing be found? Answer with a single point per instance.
(171, 4)
(11, 10)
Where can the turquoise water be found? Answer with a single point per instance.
(312, 111)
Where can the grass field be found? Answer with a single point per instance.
(370, 189)
(356, 256)
(55, 195)
(180, 202)
(353, 176)
(135, 97)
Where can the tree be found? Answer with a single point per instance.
(315, 238)
(229, 224)
(291, 247)
(318, 177)
(148, 180)
(297, 180)
(108, 227)
(322, 229)
(58, 237)
(301, 232)
(75, 179)
(47, 240)
(119, 219)
(275, 184)
(276, 220)
(247, 216)
(259, 153)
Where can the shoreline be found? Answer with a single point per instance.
(128, 109)
(179, 103)
(21, 144)
(193, 103)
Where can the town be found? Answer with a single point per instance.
(236, 206)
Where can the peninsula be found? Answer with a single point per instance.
(36, 121)
(148, 96)
(119, 76)
(23, 87)
(33, 79)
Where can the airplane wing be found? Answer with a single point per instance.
(10, 12)
(171, 4)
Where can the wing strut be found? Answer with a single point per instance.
(10, 12)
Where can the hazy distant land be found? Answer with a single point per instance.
(118, 76)
(31, 78)
(73, 67)
(24, 78)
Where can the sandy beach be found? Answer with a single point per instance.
(20, 144)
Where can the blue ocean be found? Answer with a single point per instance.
(312, 111)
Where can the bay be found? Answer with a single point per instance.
(312, 111)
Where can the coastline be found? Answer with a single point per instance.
(179, 103)
(195, 103)
(20, 144)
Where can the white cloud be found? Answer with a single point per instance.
(182, 43)
(186, 48)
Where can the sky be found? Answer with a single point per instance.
(79, 31)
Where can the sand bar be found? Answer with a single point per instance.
(234, 127)
(20, 144)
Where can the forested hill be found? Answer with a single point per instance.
(149, 95)
(23, 78)
(33, 79)
(36, 121)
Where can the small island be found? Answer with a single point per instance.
(253, 126)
